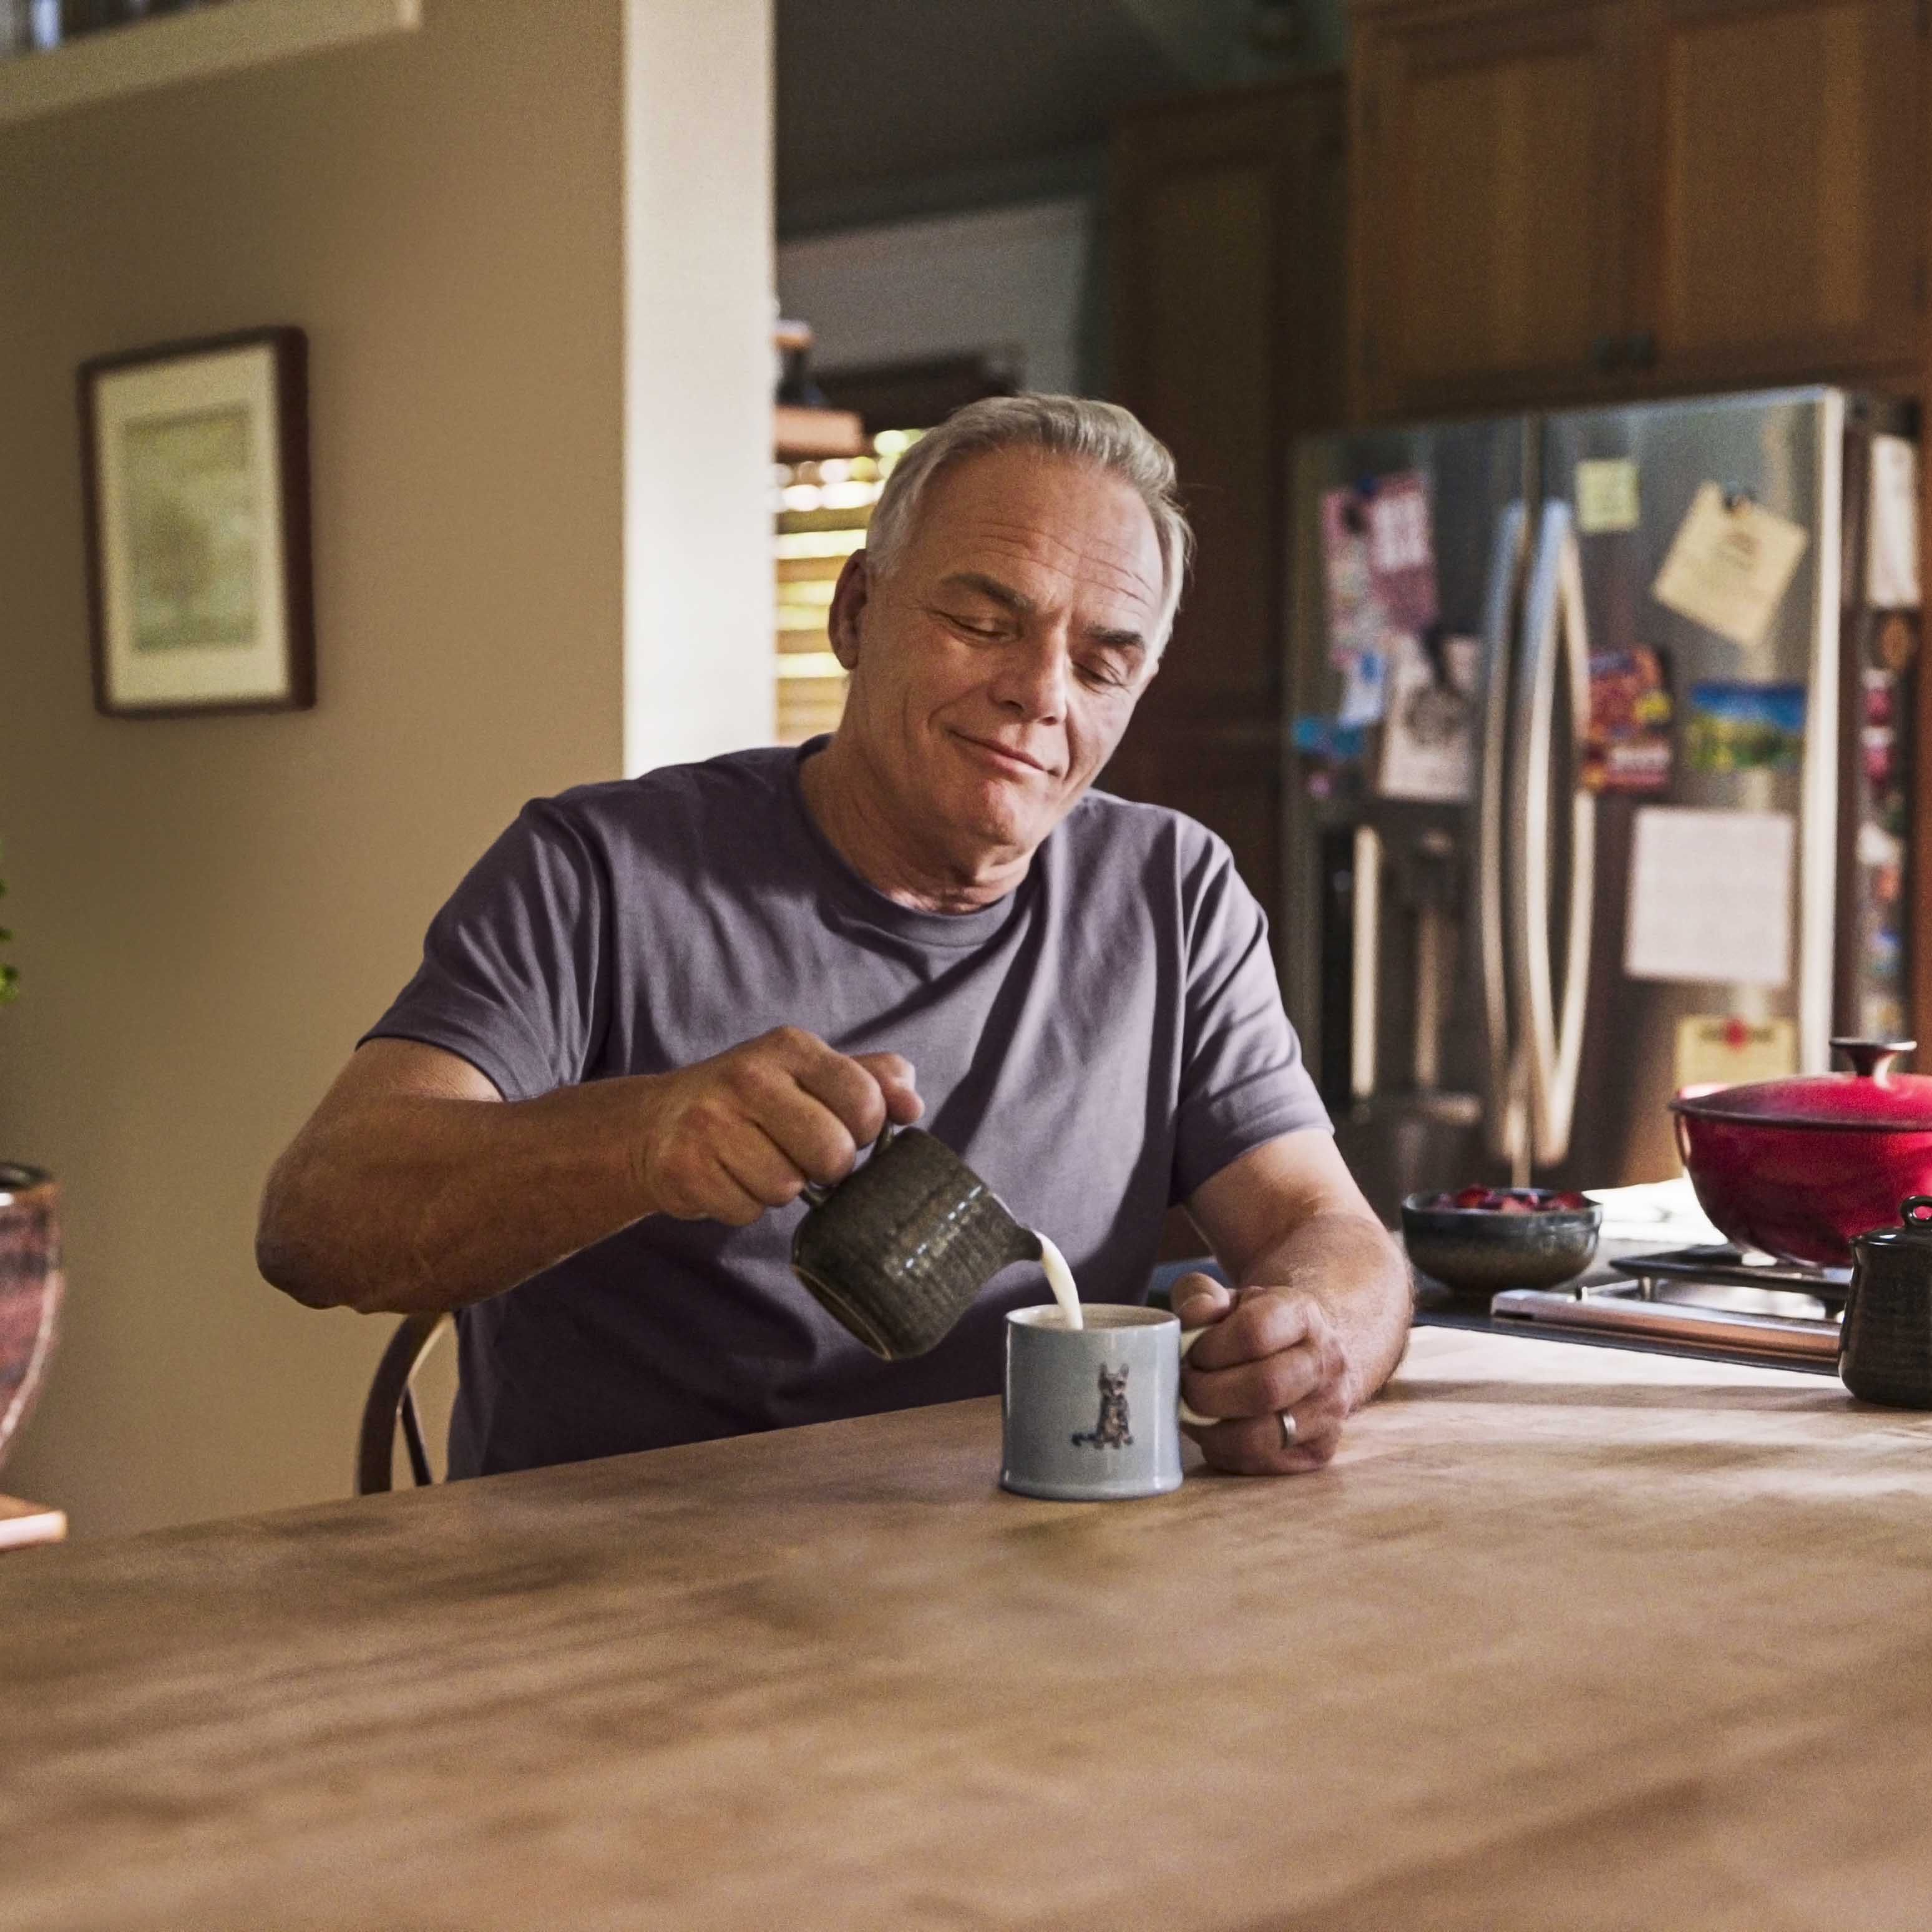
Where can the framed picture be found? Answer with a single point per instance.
(195, 483)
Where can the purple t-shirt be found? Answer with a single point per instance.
(1096, 1045)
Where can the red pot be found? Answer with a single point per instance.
(1801, 1167)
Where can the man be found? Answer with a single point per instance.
(656, 1009)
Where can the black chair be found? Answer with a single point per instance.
(392, 1400)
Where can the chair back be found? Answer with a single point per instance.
(392, 1401)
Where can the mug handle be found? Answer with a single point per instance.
(1189, 1337)
(817, 1193)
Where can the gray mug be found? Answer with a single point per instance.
(900, 1248)
(1093, 1413)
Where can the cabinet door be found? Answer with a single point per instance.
(1781, 176)
(1489, 223)
(1228, 245)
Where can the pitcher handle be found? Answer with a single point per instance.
(818, 1193)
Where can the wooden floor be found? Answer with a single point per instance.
(1569, 1638)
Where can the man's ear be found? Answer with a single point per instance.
(850, 597)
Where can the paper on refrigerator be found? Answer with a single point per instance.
(1891, 552)
(1710, 896)
(1730, 565)
(1607, 499)
(1429, 747)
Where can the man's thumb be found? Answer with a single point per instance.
(1199, 1299)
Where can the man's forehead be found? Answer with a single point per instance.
(1066, 527)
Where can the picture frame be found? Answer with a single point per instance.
(195, 491)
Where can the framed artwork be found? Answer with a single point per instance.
(194, 460)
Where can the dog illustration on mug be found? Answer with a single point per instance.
(1113, 1430)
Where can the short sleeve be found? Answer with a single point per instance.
(515, 977)
(1242, 1079)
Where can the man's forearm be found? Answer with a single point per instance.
(411, 1203)
(1353, 1267)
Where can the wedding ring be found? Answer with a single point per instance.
(1286, 1419)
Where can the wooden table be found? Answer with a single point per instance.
(1566, 1637)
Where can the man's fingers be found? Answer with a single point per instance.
(811, 1137)
(1256, 1446)
(1199, 1299)
(1265, 1387)
(760, 1168)
(1264, 1321)
(894, 1073)
(851, 1087)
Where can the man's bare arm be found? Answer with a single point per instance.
(415, 1185)
(1321, 1311)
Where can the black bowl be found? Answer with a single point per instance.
(1483, 1251)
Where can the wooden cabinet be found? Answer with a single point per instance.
(1556, 201)
(1489, 189)
(1781, 184)
(1228, 238)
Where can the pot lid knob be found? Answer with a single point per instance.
(1871, 1059)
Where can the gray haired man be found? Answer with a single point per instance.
(655, 1009)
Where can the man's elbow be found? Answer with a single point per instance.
(287, 1254)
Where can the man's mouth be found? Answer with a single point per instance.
(1004, 756)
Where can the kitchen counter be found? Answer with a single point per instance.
(1566, 1636)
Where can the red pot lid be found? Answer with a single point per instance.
(1871, 1097)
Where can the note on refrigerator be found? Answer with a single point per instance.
(1729, 564)
(1891, 554)
(1606, 496)
(1726, 1050)
(1710, 896)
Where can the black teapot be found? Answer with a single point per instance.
(1884, 1350)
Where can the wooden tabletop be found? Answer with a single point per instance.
(1567, 1637)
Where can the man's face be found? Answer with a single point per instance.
(995, 666)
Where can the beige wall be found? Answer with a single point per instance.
(210, 910)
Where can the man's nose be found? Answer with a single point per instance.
(1033, 680)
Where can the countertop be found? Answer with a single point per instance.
(1566, 1636)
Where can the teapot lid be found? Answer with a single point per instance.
(1915, 1215)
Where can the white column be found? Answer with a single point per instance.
(697, 282)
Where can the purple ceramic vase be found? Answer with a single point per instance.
(30, 1290)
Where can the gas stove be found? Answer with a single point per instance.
(1705, 1298)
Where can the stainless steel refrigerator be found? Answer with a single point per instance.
(1506, 979)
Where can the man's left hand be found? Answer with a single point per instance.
(1265, 1353)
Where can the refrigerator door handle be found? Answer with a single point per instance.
(1504, 1123)
(1555, 637)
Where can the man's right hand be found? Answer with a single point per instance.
(743, 1132)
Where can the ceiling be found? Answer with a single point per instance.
(875, 96)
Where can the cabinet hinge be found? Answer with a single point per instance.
(1369, 93)
(1369, 353)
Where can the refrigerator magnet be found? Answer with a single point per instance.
(1364, 689)
(1744, 728)
(1628, 747)
(1379, 561)
(1331, 754)
(1355, 620)
(1730, 565)
(1401, 550)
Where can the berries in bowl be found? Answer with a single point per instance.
(1480, 1240)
